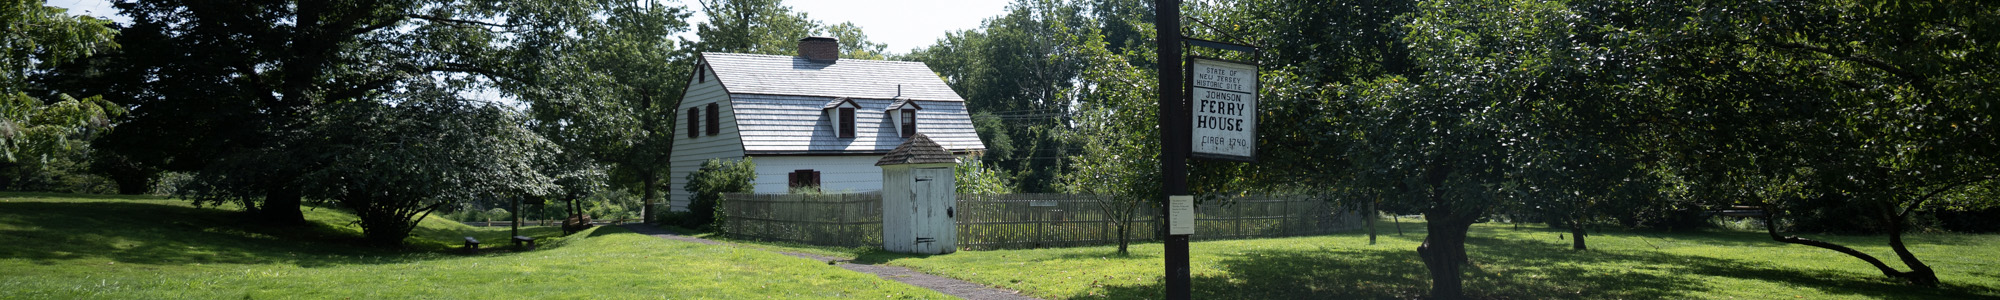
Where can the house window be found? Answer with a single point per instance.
(805, 180)
(909, 122)
(714, 120)
(701, 73)
(846, 122)
(694, 122)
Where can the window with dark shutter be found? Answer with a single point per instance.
(714, 120)
(846, 122)
(805, 180)
(909, 122)
(694, 122)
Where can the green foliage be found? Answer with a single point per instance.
(44, 136)
(393, 165)
(706, 186)
(1013, 72)
(974, 177)
(46, 144)
(39, 35)
(1116, 129)
(770, 27)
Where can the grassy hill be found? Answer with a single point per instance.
(99, 247)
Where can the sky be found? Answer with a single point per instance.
(901, 24)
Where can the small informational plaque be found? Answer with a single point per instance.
(1180, 211)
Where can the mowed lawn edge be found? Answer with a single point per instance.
(58, 247)
(1528, 263)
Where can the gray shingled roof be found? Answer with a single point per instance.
(775, 124)
(918, 150)
(850, 78)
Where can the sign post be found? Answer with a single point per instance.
(1173, 141)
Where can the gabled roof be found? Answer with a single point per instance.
(900, 103)
(918, 149)
(846, 78)
(837, 102)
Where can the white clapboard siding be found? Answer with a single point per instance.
(837, 174)
(690, 152)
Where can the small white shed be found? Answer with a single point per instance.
(918, 195)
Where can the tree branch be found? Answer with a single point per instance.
(458, 21)
(1927, 197)
(1922, 81)
(1771, 226)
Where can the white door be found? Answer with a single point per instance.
(932, 218)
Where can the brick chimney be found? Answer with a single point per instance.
(820, 49)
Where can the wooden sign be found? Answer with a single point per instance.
(1224, 103)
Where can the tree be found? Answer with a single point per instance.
(1120, 150)
(1013, 72)
(237, 119)
(44, 132)
(1516, 99)
(1878, 106)
(392, 163)
(603, 88)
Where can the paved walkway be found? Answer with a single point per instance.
(954, 287)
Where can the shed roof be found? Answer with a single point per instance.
(849, 78)
(918, 149)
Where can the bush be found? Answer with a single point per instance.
(716, 176)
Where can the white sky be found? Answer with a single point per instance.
(901, 24)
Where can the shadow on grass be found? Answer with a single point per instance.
(1514, 269)
(1108, 254)
(51, 233)
(876, 256)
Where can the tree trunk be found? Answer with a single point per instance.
(1443, 253)
(1372, 215)
(1921, 274)
(647, 183)
(1576, 230)
(514, 216)
(1122, 241)
(281, 205)
(1399, 223)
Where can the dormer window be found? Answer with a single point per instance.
(909, 120)
(904, 114)
(841, 112)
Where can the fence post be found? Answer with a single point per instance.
(1239, 218)
(1285, 223)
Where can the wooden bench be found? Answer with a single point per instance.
(519, 240)
(471, 245)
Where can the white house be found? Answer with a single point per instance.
(812, 119)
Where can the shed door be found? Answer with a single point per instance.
(933, 216)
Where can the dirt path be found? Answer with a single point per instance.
(954, 287)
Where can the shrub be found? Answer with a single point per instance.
(716, 176)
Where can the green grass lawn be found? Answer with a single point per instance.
(95, 247)
(1530, 263)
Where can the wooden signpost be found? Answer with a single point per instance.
(1221, 125)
